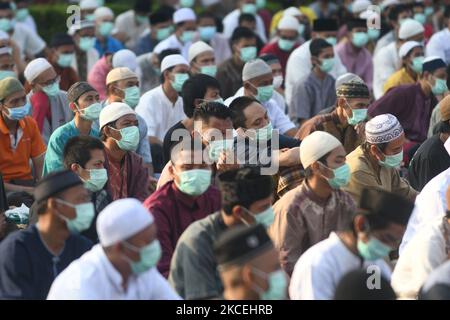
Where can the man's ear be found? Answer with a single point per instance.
(74, 167)
(360, 223)
(237, 211)
(73, 107)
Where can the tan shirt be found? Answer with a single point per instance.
(366, 173)
(302, 219)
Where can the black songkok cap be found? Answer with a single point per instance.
(61, 39)
(54, 183)
(356, 23)
(325, 25)
(241, 244)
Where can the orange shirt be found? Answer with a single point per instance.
(15, 162)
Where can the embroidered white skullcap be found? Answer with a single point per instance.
(292, 12)
(288, 23)
(114, 111)
(383, 128)
(360, 5)
(315, 146)
(410, 28)
(198, 48)
(125, 58)
(407, 47)
(184, 14)
(35, 68)
(255, 68)
(118, 74)
(103, 12)
(172, 61)
(121, 220)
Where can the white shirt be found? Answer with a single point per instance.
(93, 277)
(277, 97)
(424, 253)
(439, 45)
(319, 270)
(276, 115)
(299, 66)
(231, 22)
(385, 63)
(28, 41)
(125, 22)
(221, 46)
(388, 38)
(29, 23)
(172, 42)
(159, 112)
(430, 205)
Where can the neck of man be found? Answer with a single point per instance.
(83, 125)
(122, 266)
(319, 73)
(426, 87)
(229, 220)
(349, 240)
(355, 48)
(188, 123)
(170, 92)
(319, 186)
(114, 150)
(52, 233)
(411, 73)
(237, 60)
(12, 125)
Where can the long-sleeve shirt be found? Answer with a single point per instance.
(231, 21)
(302, 219)
(174, 211)
(110, 45)
(97, 77)
(385, 63)
(229, 75)
(411, 107)
(367, 173)
(400, 77)
(357, 61)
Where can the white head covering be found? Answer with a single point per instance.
(118, 74)
(173, 60)
(387, 3)
(114, 111)
(382, 129)
(88, 4)
(288, 23)
(292, 12)
(103, 12)
(255, 68)
(3, 35)
(315, 146)
(125, 58)
(360, 5)
(5, 50)
(184, 14)
(121, 220)
(35, 68)
(198, 48)
(347, 77)
(410, 28)
(407, 47)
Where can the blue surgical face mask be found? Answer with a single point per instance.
(420, 17)
(429, 11)
(106, 28)
(187, 36)
(327, 64)
(417, 64)
(261, 4)
(52, 89)
(132, 96)
(6, 24)
(91, 112)
(207, 33)
(130, 138)
(373, 250)
(277, 285)
(265, 218)
(141, 19)
(392, 161)
(331, 40)
(264, 93)
(20, 112)
(360, 39)
(22, 14)
(97, 179)
(65, 59)
(209, 70)
(248, 53)
(84, 215)
(373, 34)
(87, 43)
(148, 256)
(179, 80)
(301, 29)
(341, 176)
(194, 182)
(186, 3)
(440, 87)
(7, 73)
(286, 45)
(249, 8)
(216, 147)
(163, 33)
(265, 133)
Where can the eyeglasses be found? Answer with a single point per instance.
(51, 82)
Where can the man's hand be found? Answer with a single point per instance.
(447, 197)
(2, 225)
(222, 164)
(289, 157)
(152, 182)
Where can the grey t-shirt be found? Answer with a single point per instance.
(193, 269)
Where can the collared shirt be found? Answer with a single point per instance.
(320, 269)
(193, 270)
(385, 40)
(430, 205)
(172, 42)
(350, 137)
(385, 63)
(29, 23)
(231, 21)
(276, 115)
(399, 78)
(28, 268)
(159, 112)
(299, 66)
(426, 251)
(283, 56)
(93, 277)
(174, 211)
(229, 75)
(126, 23)
(58, 139)
(357, 61)
(15, 154)
(367, 173)
(311, 95)
(29, 43)
(97, 77)
(110, 45)
(439, 45)
(302, 219)
(411, 107)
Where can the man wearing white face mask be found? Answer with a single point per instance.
(46, 248)
(104, 19)
(84, 102)
(48, 101)
(122, 266)
(248, 265)
(185, 29)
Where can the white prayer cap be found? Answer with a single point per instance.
(88, 4)
(255, 68)
(360, 5)
(315, 146)
(410, 28)
(292, 12)
(198, 48)
(5, 50)
(347, 77)
(125, 58)
(103, 12)
(82, 25)
(118, 74)
(407, 47)
(382, 129)
(114, 111)
(288, 23)
(387, 3)
(184, 14)
(35, 68)
(172, 61)
(3, 35)
(121, 220)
